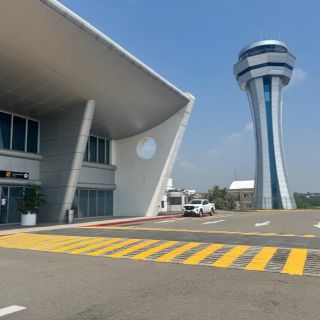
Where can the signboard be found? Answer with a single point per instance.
(14, 175)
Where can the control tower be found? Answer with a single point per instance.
(263, 69)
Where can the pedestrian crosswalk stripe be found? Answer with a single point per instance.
(113, 247)
(174, 253)
(261, 259)
(150, 252)
(95, 246)
(76, 245)
(295, 262)
(55, 244)
(292, 261)
(228, 258)
(124, 252)
(202, 254)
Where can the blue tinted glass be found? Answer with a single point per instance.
(102, 151)
(272, 159)
(86, 153)
(93, 149)
(83, 203)
(92, 203)
(101, 209)
(15, 194)
(32, 139)
(107, 152)
(109, 203)
(19, 133)
(5, 125)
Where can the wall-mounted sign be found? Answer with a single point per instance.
(15, 175)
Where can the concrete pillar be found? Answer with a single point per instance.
(62, 145)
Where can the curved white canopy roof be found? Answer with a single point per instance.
(50, 59)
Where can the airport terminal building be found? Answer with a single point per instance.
(96, 128)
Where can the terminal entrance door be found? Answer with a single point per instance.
(9, 196)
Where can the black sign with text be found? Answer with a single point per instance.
(15, 175)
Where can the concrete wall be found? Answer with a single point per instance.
(97, 176)
(21, 162)
(141, 183)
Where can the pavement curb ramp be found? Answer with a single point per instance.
(87, 224)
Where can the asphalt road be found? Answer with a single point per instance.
(64, 286)
(60, 286)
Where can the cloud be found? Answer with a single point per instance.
(298, 76)
(249, 126)
(214, 152)
(187, 165)
(233, 138)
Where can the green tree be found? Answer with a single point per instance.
(221, 198)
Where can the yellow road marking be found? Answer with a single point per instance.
(148, 253)
(174, 253)
(11, 236)
(202, 254)
(95, 246)
(113, 247)
(123, 252)
(228, 258)
(295, 262)
(21, 241)
(261, 259)
(266, 234)
(76, 245)
(53, 244)
(39, 241)
(15, 239)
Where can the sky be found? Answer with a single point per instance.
(194, 44)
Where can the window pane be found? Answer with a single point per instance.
(3, 204)
(92, 203)
(83, 204)
(5, 125)
(107, 152)
(93, 149)
(86, 153)
(14, 215)
(19, 133)
(32, 141)
(102, 151)
(74, 206)
(109, 203)
(101, 203)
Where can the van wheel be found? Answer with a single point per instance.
(211, 212)
(200, 213)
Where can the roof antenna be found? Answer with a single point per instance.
(260, 34)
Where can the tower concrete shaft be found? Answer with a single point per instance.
(263, 69)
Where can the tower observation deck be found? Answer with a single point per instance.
(262, 70)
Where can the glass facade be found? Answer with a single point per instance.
(32, 138)
(262, 49)
(5, 130)
(97, 150)
(92, 203)
(18, 133)
(267, 87)
(9, 212)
